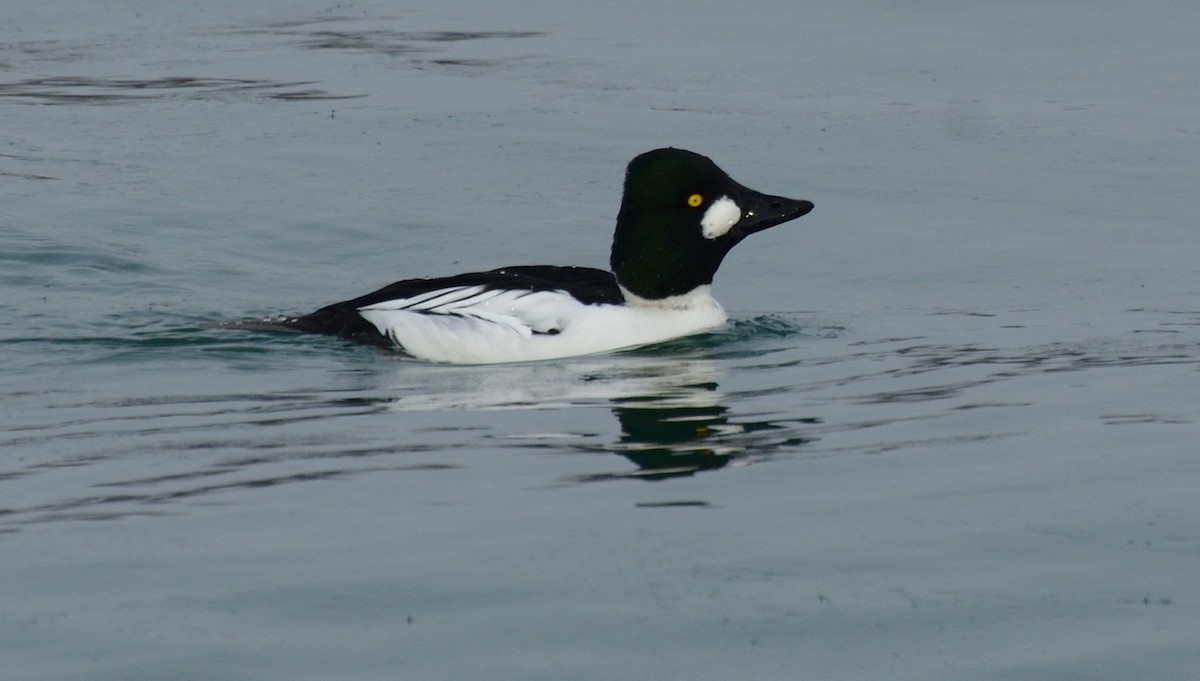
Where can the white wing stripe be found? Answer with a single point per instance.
(419, 298)
(436, 300)
(465, 304)
(443, 297)
(405, 303)
(449, 298)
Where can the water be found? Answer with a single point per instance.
(950, 432)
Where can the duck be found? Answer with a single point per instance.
(680, 216)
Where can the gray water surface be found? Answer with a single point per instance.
(950, 431)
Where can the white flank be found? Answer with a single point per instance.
(470, 325)
(720, 217)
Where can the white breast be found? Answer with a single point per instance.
(472, 325)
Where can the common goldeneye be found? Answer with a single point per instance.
(680, 214)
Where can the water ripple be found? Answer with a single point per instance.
(86, 90)
(758, 389)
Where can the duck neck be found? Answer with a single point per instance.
(701, 296)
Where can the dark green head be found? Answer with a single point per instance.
(680, 214)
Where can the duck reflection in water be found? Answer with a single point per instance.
(672, 441)
(670, 411)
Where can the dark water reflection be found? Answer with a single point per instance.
(665, 442)
(671, 417)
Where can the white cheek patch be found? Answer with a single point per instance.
(720, 217)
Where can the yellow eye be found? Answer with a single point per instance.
(695, 200)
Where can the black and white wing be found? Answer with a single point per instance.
(524, 300)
